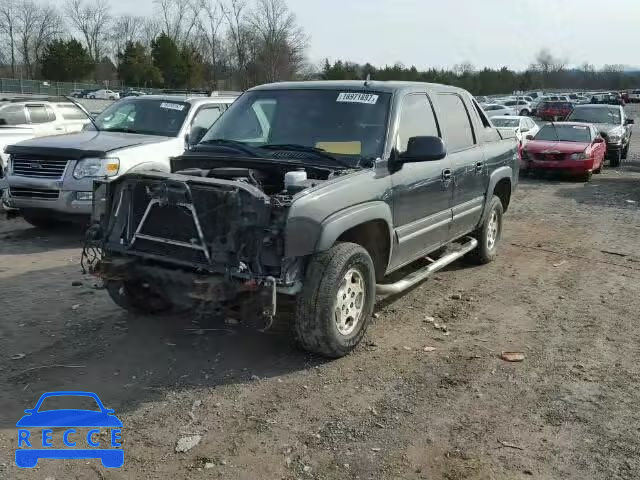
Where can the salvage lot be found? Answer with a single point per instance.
(564, 291)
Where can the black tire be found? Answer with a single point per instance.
(616, 159)
(524, 113)
(586, 177)
(40, 221)
(315, 326)
(485, 252)
(625, 152)
(135, 298)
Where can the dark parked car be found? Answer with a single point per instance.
(308, 195)
(554, 111)
(612, 123)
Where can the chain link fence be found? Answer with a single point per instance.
(43, 87)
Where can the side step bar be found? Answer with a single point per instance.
(425, 272)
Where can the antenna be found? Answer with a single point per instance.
(368, 80)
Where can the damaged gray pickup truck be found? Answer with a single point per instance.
(308, 195)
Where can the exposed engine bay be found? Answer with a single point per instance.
(205, 234)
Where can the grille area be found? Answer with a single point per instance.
(52, 168)
(550, 157)
(34, 193)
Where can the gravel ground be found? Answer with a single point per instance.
(564, 291)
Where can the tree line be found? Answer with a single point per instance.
(184, 44)
(546, 72)
(228, 44)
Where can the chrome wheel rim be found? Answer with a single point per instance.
(349, 302)
(493, 230)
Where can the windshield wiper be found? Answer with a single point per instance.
(233, 144)
(294, 147)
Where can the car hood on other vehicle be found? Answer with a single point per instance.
(607, 128)
(83, 144)
(540, 146)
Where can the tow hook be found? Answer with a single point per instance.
(269, 311)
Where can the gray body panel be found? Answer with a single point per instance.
(422, 210)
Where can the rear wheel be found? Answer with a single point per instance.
(489, 234)
(336, 303)
(524, 113)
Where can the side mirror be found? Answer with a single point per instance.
(529, 137)
(424, 149)
(629, 121)
(599, 140)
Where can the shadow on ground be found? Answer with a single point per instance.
(76, 339)
(608, 191)
(19, 238)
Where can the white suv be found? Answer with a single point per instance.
(105, 95)
(24, 119)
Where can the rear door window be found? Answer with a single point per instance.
(456, 124)
(38, 114)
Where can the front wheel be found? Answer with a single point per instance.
(586, 177)
(524, 113)
(616, 159)
(336, 303)
(489, 234)
(42, 221)
(137, 297)
(625, 152)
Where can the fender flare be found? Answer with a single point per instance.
(497, 175)
(305, 236)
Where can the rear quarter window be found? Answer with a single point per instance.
(455, 122)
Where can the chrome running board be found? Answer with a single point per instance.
(410, 280)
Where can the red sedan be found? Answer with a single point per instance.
(553, 111)
(574, 148)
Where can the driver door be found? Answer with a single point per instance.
(421, 191)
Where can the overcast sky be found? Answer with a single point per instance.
(445, 32)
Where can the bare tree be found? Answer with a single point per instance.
(126, 28)
(8, 13)
(234, 14)
(210, 20)
(37, 26)
(150, 29)
(282, 42)
(179, 18)
(92, 21)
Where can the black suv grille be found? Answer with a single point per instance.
(25, 166)
(34, 193)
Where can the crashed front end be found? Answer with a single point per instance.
(200, 242)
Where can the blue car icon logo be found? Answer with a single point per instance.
(34, 445)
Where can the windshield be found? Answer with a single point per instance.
(564, 133)
(596, 115)
(149, 117)
(347, 124)
(506, 122)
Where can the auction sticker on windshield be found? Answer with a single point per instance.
(354, 97)
(172, 106)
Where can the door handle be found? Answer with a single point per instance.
(479, 166)
(446, 175)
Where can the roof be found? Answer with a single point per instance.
(355, 85)
(600, 106)
(195, 100)
(508, 117)
(571, 124)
